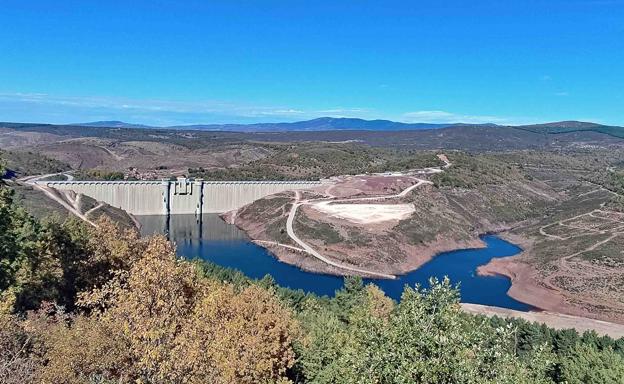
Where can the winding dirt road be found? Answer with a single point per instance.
(313, 252)
(309, 249)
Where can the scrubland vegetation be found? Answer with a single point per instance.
(471, 171)
(103, 305)
(313, 161)
(31, 163)
(575, 127)
(98, 174)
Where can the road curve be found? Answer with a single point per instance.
(33, 181)
(310, 250)
(313, 252)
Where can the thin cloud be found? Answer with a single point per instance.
(161, 112)
(61, 109)
(444, 117)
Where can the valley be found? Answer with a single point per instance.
(333, 192)
(390, 203)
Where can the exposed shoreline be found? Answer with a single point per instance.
(551, 319)
(525, 286)
(527, 289)
(550, 305)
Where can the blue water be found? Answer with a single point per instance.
(227, 246)
(8, 174)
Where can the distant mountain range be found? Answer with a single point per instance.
(112, 124)
(320, 124)
(470, 137)
(346, 124)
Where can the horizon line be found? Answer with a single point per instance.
(438, 124)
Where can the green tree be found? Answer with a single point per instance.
(584, 364)
(349, 297)
(426, 338)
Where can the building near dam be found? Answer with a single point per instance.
(181, 196)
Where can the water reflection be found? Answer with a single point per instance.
(188, 228)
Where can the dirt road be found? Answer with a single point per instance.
(327, 201)
(554, 320)
(313, 252)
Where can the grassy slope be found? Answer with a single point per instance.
(312, 161)
(553, 130)
(25, 163)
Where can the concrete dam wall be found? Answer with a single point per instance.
(182, 196)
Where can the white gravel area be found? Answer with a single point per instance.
(366, 213)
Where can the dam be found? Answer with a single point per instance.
(178, 197)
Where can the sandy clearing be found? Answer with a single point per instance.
(378, 212)
(366, 213)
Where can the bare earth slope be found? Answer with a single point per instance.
(567, 226)
(551, 189)
(391, 223)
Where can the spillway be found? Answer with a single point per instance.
(178, 197)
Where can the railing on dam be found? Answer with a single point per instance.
(181, 196)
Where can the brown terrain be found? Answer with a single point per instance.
(146, 157)
(586, 280)
(571, 261)
(552, 196)
(151, 159)
(388, 224)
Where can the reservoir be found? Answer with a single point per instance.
(223, 244)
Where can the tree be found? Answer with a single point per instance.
(322, 346)
(349, 297)
(146, 306)
(18, 245)
(426, 338)
(236, 338)
(9, 248)
(584, 364)
(17, 363)
(163, 322)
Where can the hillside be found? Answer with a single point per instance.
(319, 124)
(112, 124)
(564, 210)
(450, 211)
(146, 153)
(560, 202)
(461, 136)
(574, 126)
(105, 305)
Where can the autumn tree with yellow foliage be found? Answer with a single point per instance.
(161, 322)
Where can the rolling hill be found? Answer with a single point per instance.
(319, 124)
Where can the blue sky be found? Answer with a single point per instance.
(183, 62)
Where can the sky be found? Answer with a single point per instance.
(173, 62)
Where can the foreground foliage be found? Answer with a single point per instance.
(102, 305)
